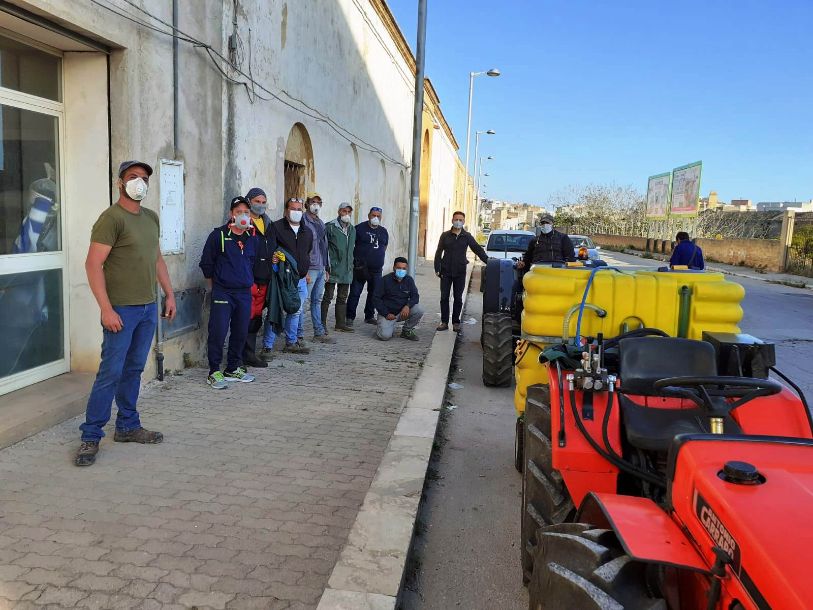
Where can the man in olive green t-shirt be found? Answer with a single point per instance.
(123, 263)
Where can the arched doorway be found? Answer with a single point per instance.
(299, 172)
(426, 171)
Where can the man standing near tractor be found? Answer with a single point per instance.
(550, 246)
(450, 267)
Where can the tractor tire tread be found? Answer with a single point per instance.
(545, 498)
(587, 569)
(498, 350)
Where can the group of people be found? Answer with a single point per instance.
(263, 275)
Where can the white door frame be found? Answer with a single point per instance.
(40, 261)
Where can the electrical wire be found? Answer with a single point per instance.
(320, 117)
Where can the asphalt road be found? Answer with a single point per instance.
(465, 553)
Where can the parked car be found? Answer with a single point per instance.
(583, 242)
(508, 244)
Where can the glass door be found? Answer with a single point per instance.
(33, 303)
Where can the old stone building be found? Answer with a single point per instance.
(219, 97)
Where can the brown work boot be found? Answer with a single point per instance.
(86, 456)
(442, 326)
(323, 339)
(139, 435)
(456, 327)
(296, 348)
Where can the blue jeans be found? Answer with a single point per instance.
(355, 293)
(316, 292)
(292, 320)
(124, 355)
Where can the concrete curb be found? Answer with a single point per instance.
(371, 566)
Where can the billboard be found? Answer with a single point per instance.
(658, 194)
(686, 189)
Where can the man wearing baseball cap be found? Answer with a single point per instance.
(341, 241)
(368, 262)
(123, 262)
(318, 269)
(550, 246)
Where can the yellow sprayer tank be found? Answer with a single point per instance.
(679, 303)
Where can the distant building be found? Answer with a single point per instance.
(780, 206)
(521, 215)
(741, 205)
(710, 203)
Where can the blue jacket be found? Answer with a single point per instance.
(371, 246)
(687, 253)
(227, 263)
(391, 295)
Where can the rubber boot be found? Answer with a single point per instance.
(249, 353)
(341, 320)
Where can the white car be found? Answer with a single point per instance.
(508, 244)
(582, 241)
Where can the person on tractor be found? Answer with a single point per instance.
(550, 246)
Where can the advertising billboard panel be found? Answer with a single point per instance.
(658, 194)
(686, 189)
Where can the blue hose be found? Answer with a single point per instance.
(584, 300)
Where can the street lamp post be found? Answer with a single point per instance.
(488, 132)
(494, 72)
(480, 173)
(415, 177)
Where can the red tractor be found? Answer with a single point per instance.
(667, 473)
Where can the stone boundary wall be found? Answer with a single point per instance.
(756, 253)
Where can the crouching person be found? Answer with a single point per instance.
(396, 300)
(227, 264)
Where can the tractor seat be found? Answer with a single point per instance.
(654, 429)
(645, 360)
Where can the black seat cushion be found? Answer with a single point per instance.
(654, 429)
(645, 360)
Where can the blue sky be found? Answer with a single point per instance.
(613, 92)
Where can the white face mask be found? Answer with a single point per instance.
(345, 218)
(242, 221)
(136, 189)
(546, 228)
(457, 224)
(315, 207)
(295, 216)
(375, 221)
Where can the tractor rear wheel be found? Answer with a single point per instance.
(498, 350)
(545, 499)
(578, 566)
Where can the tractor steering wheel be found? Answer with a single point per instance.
(701, 390)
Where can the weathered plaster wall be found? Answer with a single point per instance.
(339, 58)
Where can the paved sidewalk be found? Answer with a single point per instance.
(246, 504)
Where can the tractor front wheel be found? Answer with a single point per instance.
(578, 566)
(498, 349)
(545, 499)
(519, 446)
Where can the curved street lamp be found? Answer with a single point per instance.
(493, 72)
(477, 134)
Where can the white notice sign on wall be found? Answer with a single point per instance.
(171, 191)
